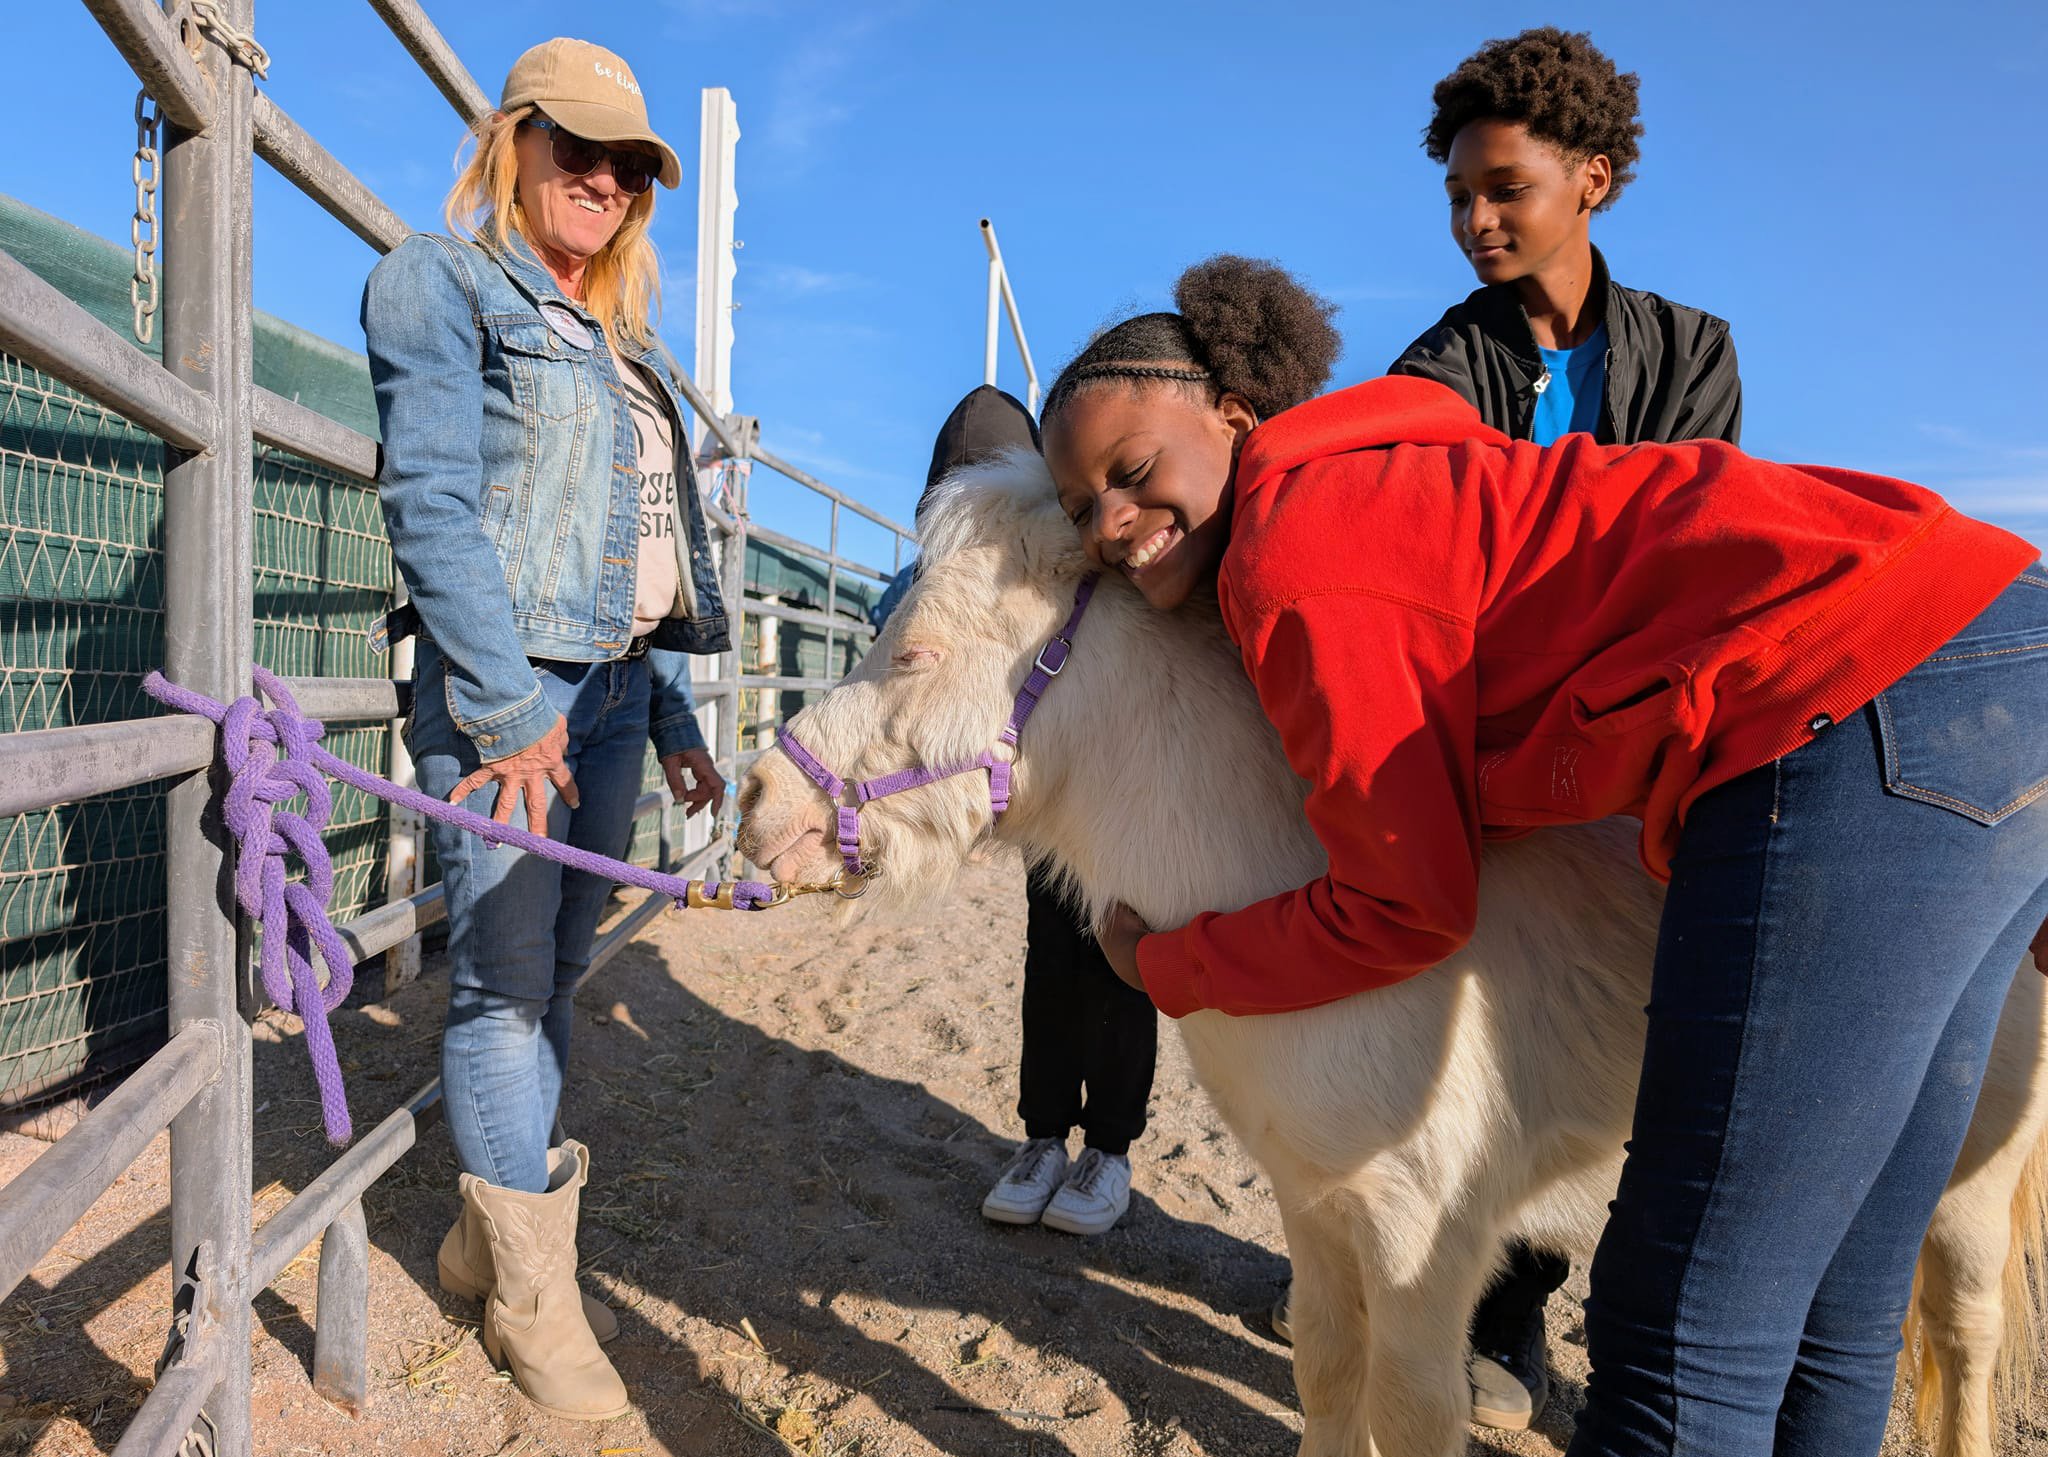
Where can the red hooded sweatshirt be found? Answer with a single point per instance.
(1459, 635)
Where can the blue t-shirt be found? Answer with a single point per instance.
(1578, 383)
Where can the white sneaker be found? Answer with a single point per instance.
(1027, 1182)
(1095, 1195)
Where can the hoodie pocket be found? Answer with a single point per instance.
(1631, 702)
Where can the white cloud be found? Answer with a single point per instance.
(795, 280)
(810, 93)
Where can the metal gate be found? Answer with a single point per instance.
(198, 61)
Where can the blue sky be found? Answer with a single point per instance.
(1857, 188)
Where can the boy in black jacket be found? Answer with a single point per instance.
(1536, 134)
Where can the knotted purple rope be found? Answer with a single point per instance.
(294, 916)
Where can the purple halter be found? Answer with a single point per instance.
(1051, 658)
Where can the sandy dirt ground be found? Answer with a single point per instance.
(791, 1129)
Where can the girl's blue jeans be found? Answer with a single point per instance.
(520, 928)
(1842, 929)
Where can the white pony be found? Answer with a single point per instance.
(1405, 1130)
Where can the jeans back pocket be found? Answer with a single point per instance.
(1968, 729)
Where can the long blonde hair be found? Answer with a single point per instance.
(621, 282)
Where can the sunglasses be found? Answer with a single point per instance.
(634, 172)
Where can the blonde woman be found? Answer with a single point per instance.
(538, 494)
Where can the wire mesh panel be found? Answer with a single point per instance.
(81, 619)
(323, 573)
(82, 937)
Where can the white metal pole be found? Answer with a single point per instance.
(1001, 296)
(717, 201)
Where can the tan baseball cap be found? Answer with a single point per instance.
(589, 91)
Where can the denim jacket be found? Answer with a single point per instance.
(510, 493)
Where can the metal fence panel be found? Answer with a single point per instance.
(82, 949)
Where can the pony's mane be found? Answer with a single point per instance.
(988, 501)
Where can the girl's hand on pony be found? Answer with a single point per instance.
(1118, 935)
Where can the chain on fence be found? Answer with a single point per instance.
(142, 288)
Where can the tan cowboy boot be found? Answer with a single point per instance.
(533, 1318)
(465, 1265)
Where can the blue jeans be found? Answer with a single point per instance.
(1842, 928)
(520, 928)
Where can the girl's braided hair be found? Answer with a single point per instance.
(1244, 327)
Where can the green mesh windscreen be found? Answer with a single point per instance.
(82, 940)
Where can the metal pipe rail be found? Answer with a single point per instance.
(44, 767)
(435, 57)
(39, 1204)
(780, 466)
(804, 548)
(289, 425)
(38, 324)
(774, 684)
(280, 1238)
(379, 929)
(142, 34)
(287, 146)
(174, 1403)
(804, 616)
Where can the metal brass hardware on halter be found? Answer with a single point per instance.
(702, 895)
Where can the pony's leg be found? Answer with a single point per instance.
(1962, 1311)
(1973, 1300)
(1328, 1312)
(1418, 1386)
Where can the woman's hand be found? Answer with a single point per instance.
(526, 776)
(1119, 935)
(706, 786)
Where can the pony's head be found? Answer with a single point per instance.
(999, 570)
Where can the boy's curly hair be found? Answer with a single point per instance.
(1245, 326)
(1558, 84)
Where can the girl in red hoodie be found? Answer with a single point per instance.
(1822, 693)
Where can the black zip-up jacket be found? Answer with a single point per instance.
(1670, 369)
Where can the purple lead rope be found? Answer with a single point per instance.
(274, 757)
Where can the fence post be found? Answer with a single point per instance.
(735, 565)
(341, 1316)
(208, 632)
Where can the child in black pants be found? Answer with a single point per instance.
(1089, 1040)
(1090, 1043)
